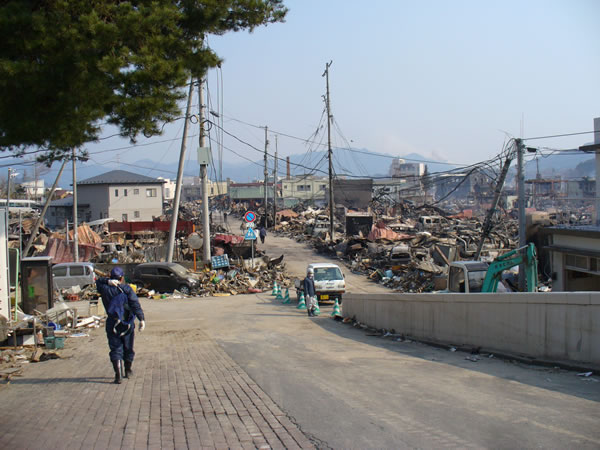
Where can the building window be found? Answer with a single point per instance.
(285, 186)
(116, 192)
(151, 192)
(323, 186)
(136, 214)
(582, 263)
(124, 217)
(303, 187)
(136, 192)
(125, 192)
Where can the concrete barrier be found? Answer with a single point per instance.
(560, 326)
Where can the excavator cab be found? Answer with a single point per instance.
(466, 276)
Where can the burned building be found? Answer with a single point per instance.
(354, 194)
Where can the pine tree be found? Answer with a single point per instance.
(68, 67)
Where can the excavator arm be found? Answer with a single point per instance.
(509, 260)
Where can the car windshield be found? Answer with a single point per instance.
(328, 273)
(179, 270)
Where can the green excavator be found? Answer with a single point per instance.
(479, 276)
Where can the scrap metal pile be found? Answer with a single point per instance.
(407, 252)
(233, 280)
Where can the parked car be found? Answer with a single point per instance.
(164, 277)
(399, 255)
(67, 275)
(329, 282)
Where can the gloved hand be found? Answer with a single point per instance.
(142, 326)
(113, 282)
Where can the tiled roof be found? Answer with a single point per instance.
(67, 201)
(121, 177)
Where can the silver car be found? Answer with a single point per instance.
(67, 275)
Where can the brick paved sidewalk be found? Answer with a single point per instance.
(186, 392)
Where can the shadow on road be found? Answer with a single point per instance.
(550, 378)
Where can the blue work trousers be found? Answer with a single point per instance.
(121, 347)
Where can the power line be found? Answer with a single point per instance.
(559, 135)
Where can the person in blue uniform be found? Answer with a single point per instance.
(122, 307)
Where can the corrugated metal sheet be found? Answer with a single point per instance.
(62, 252)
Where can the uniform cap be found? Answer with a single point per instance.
(310, 270)
(116, 273)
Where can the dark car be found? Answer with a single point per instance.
(164, 277)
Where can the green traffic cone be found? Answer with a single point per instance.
(279, 296)
(287, 296)
(336, 309)
(317, 311)
(274, 292)
(301, 302)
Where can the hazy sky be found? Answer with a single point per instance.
(445, 79)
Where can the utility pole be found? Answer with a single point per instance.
(521, 188)
(330, 153)
(39, 220)
(266, 176)
(204, 176)
(75, 222)
(487, 225)
(275, 186)
(175, 215)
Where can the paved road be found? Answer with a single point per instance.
(348, 389)
(246, 372)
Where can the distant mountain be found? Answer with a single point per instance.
(359, 162)
(566, 165)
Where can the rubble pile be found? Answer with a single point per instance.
(408, 251)
(232, 280)
(41, 336)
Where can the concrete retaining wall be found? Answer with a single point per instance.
(557, 326)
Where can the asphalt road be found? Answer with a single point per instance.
(349, 389)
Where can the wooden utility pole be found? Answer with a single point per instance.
(330, 154)
(266, 176)
(487, 225)
(38, 222)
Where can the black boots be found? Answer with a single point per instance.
(117, 369)
(128, 370)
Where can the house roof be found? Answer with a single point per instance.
(121, 177)
(67, 201)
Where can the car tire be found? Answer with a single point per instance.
(184, 289)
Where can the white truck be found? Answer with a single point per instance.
(330, 284)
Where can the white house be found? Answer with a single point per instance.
(122, 195)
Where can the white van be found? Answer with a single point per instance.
(330, 283)
(67, 275)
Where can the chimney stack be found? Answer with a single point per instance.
(287, 160)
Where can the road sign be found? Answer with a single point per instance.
(250, 216)
(250, 235)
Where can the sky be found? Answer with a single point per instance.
(449, 80)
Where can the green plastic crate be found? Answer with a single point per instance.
(54, 342)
